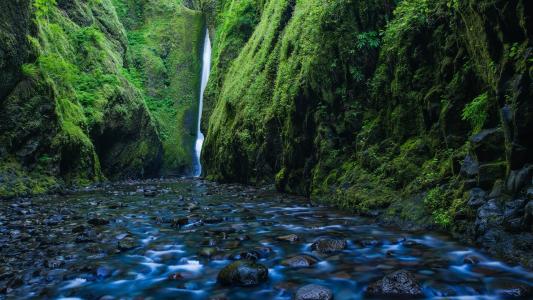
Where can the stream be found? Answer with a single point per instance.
(170, 239)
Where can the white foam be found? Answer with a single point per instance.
(75, 283)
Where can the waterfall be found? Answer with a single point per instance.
(206, 68)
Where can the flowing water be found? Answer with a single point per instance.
(147, 240)
(206, 68)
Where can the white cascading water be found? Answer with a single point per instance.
(206, 68)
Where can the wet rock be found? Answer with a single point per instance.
(299, 261)
(264, 252)
(233, 244)
(242, 237)
(127, 243)
(489, 145)
(103, 272)
(98, 221)
(476, 197)
(313, 292)
(518, 179)
(55, 263)
(528, 214)
(514, 225)
(207, 252)
(471, 260)
(514, 208)
(254, 254)
(150, 191)
(513, 213)
(497, 189)
(369, 243)
(56, 275)
(399, 283)
(470, 167)
(223, 230)
(243, 273)
(84, 235)
(213, 220)
(288, 238)
(178, 222)
(53, 220)
(328, 245)
(488, 216)
(529, 193)
(210, 242)
(491, 172)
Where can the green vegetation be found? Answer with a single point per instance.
(362, 104)
(476, 112)
(165, 44)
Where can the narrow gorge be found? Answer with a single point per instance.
(266, 149)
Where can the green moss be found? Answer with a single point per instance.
(165, 44)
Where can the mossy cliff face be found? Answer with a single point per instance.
(408, 107)
(164, 60)
(69, 111)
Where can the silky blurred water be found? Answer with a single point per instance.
(97, 270)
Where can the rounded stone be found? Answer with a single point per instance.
(243, 273)
(314, 292)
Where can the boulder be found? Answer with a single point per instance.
(470, 167)
(488, 216)
(490, 173)
(329, 245)
(313, 292)
(489, 145)
(397, 284)
(243, 273)
(476, 198)
(299, 261)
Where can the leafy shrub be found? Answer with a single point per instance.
(437, 203)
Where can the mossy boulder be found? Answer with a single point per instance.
(243, 273)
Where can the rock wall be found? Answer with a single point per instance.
(416, 112)
(69, 111)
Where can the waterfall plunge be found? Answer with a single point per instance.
(206, 67)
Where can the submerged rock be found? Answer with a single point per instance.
(399, 283)
(299, 261)
(207, 252)
(313, 292)
(288, 238)
(243, 273)
(127, 243)
(97, 221)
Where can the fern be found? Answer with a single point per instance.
(476, 112)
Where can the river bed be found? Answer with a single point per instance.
(170, 240)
